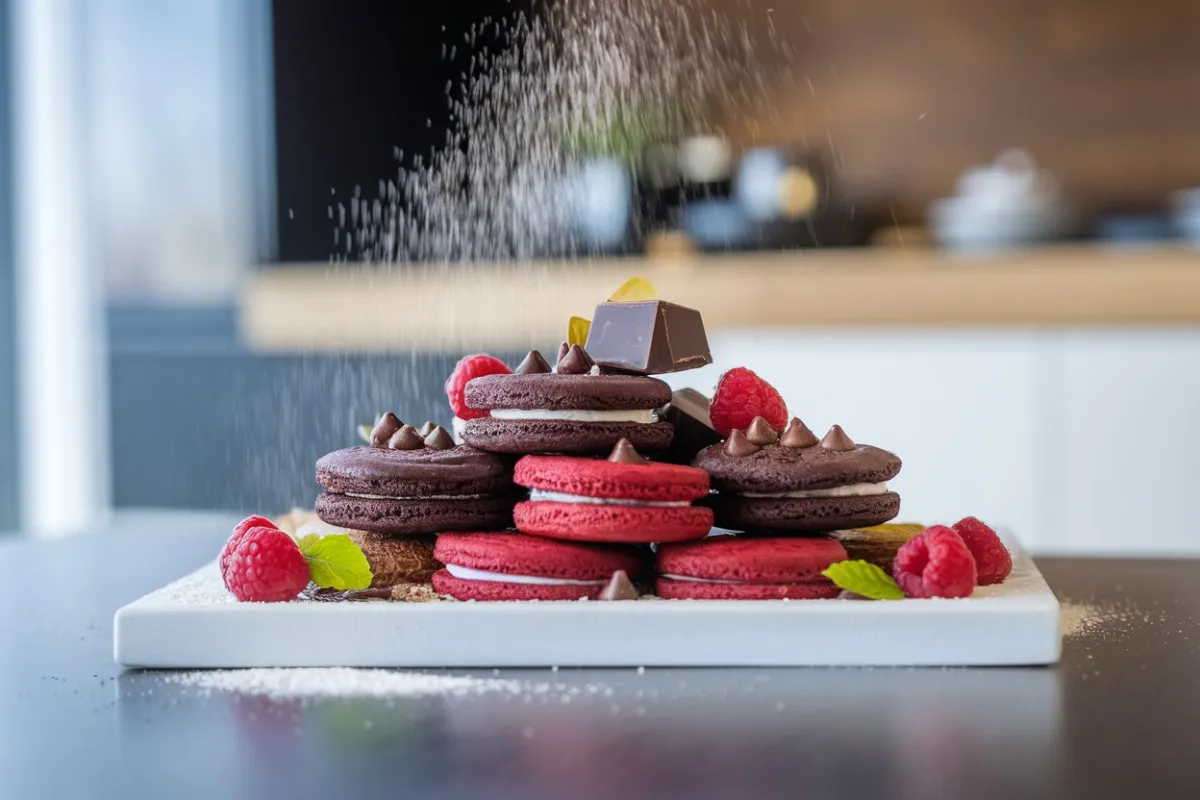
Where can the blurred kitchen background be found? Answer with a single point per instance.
(965, 232)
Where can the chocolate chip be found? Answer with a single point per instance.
(406, 438)
(533, 364)
(619, 587)
(761, 433)
(388, 424)
(563, 349)
(738, 445)
(426, 429)
(575, 362)
(439, 439)
(625, 453)
(837, 440)
(798, 435)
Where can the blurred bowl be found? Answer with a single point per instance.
(966, 223)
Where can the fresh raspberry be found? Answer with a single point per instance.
(467, 368)
(740, 397)
(266, 567)
(239, 531)
(992, 561)
(935, 563)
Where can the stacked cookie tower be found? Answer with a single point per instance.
(600, 515)
(408, 484)
(583, 428)
(785, 492)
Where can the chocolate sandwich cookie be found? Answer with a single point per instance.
(571, 409)
(396, 560)
(877, 544)
(414, 485)
(793, 481)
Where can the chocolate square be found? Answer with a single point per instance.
(648, 338)
(688, 413)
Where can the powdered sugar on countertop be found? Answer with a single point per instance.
(337, 682)
(1095, 621)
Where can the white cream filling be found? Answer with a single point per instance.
(423, 497)
(540, 495)
(731, 583)
(644, 416)
(698, 580)
(456, 425)
(852, 490)
(468, 574)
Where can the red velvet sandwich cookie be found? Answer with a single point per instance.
(748, 568)
(572, 409)
(796, 482)
(406, 484)
(511, 566)
(624, 499)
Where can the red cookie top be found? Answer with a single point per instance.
(517, 554)
(752, 560)
(625, 475)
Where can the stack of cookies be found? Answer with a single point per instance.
(407, 485)
(595, 501)
(592, 480)
(786, 492)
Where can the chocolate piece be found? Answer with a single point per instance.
(619, 587)
(563, 349)
(440, 439)
(739, 446)
(400, 593)
(575, 362)
(314, 592)
(688, 414)
(837, 440)
(533, 364)
(407, 438)
(626, 453)
(648, 338)
(427, 428)
(761, 433)
(798, 435)
(387, 425)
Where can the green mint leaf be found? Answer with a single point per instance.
(864, 578)
(336, 561)
(365, 431)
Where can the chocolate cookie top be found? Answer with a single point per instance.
(416, 473)
(575, 384)
(760, 459)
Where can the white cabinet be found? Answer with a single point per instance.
(1079, 441)
(1124, 405)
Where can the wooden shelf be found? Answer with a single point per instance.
(514, 306)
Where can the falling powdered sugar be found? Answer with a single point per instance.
(537, 95)
(337, 682)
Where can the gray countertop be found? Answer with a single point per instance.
(1119, 717)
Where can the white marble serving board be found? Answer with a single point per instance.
(195, 623)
